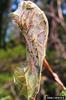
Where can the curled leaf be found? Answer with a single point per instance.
(34, 26)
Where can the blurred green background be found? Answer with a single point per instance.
(12, 48)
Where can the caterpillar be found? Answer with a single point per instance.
(33, 24)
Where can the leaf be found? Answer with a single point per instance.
(6, 98)
(63, 93)
(26, 82)
(34, 26)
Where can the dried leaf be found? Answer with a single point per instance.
(34, 26)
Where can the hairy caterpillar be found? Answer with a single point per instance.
(34, 26)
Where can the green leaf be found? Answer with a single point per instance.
(63, 93)
(6, 98)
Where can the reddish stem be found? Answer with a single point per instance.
(55, 76)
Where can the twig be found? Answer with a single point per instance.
(55, 76)
(59, 2)
(33, 98)
(57, 19)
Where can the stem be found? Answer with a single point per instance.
(59, 2)
(33, 98)
(55, 76)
